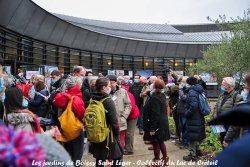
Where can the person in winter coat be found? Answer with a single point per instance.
(195, 121)
(155, 121)
(136, 89)
(75, 146)
(122, 104)
(181, 110)
(56, 82)
(226, 100)
(114, 151)
(17, 114)
(38, 105)
(173, 99)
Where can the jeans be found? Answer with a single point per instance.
(185, 140)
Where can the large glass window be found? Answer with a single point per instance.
(11, 46)
(38, 53)
(118, 62)
(107, 62)
(74, 58)
(61, 53)
(51, 55)
(128, 63)
(97, 63)
(2, 44)
(179, 65)
(85, 59)
(148, 64)
(158, 66)
(27, 48)
(138, 63)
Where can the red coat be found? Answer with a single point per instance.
(21, 87)
(135, 112)
(61, 100)
(27, 89)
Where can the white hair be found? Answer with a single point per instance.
(230, 81)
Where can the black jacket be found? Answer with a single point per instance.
(136, 89)
(195, 121)
(155, 119)
(99, 150)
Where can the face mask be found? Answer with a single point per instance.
(162, 90)
(152, 91)
(136, 80)
(125, 81)
(25, 103)
(108, 90)
(223, 89)
(183, 84)
(245, 95)
(34, 81)
(81, 77)
(53, 81)
(187, 86)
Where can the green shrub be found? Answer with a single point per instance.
(212, 141)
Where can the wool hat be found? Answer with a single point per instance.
(112, 77)
(55, 153)
(19, 148)
(22, 148)
(191, 80)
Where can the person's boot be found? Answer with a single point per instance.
(199, 153)
(165, 161)
(189, 157)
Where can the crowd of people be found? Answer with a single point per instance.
(129, 103)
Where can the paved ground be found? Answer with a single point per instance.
(142, 155)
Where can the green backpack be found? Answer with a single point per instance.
(95, 122)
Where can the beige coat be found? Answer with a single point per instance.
(123, 106)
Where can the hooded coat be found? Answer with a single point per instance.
(195, 121)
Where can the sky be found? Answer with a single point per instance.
(148, 11)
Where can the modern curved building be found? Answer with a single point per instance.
(31, 36)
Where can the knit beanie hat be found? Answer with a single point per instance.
(19, 148)
(56, 155)
(191, 80)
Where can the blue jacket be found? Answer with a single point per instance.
(38, 105)
(195, 121)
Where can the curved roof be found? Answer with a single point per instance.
(145, 32)
(151, 40)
